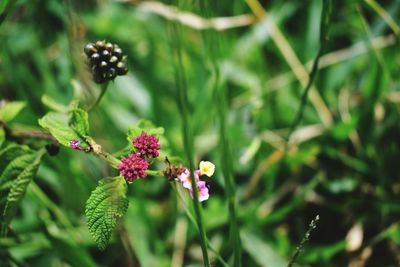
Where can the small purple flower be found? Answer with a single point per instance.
(147, 145)
(133, 167)
(186, 181)
(75, 144)
(202, 189)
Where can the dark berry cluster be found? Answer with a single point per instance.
(147, 145)
(105, 60)
(133, 167)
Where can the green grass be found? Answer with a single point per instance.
(298, 108)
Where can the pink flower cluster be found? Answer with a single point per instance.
(133, 167)
(186, 181)
(147, 145)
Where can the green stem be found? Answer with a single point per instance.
(103, 90)
(114, 162)
(227, 170)
(154, 173)
(192, 220)
(58, 213)
(324, 26)
(211, 43)
(306, 237)
(183, 104)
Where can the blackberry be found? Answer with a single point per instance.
(105, 60)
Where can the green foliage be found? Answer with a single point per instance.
(260, 251)
(105, 206)
(10, 110)
(143, 126)
(14, 181)
(11, 152)
(246, 77)
(80, 122)
(2, 136)
(58, 125)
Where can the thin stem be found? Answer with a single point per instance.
(58, 213)
(311, 227)
(19, 135)
(192, 220)
(103, 90)
(384, 15)
(155, 173)
(324, 26)
(183, 103)
(212, 46)
(114, 162)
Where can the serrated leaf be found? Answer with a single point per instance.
(106, 204)
(10, 110)
(58, 125)
(80, 122)
(11, 152)
(144, 126)
(16, 177)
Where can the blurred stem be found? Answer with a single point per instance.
(5, 8)
(183, 103)
(227, 170)
(384, 15)
(20, 135)
(212, 45)
(131, 258)
(103, 91)
(192, 219)
(58, 213)
(323, 38)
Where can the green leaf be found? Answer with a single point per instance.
(58, 125)
(16, 177)
(53, 104)
(10, 110)
(144, 126)
(80, 122)
(105, 206)
(11, 152)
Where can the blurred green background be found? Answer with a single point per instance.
(340, 162)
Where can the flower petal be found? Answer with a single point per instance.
(207, 168)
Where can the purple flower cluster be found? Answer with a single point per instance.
(147, 145)
(133, 167)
